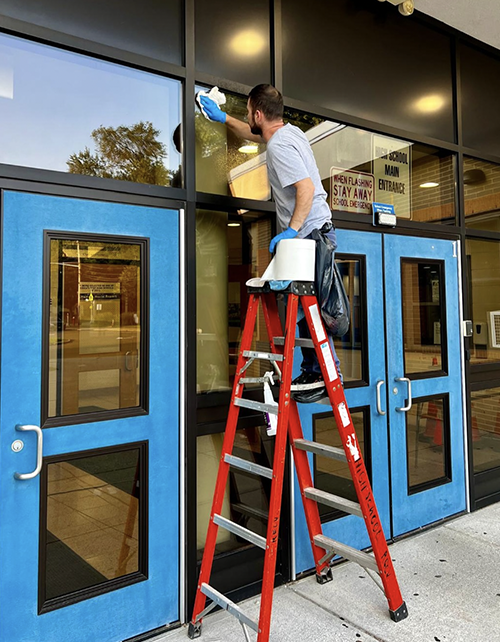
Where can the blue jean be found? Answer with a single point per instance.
(309, 359)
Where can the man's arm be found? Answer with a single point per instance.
(216, 114)
(242, 129)
(303, 203)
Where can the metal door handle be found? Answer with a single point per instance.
(405, 408)
(379, 405)
(39, 451)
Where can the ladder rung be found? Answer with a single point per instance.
(240, 531)
(333, 500)
(268, 356)
(256, 405)
(363, 559)
(248, 511)
(320, 449)
(249, 466)
(299, 342)
(226, 604)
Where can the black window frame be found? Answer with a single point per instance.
(47, 605)
(144, 301)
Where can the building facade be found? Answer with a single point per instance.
(141, 222)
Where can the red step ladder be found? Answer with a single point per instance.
(324, 548)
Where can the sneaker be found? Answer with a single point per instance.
(307, 381)
(308, 388)
(310, 396)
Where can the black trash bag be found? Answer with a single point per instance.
(332, 297)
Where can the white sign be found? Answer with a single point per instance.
(392, 170)
(351, 191)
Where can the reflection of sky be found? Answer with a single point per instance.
(59, 97)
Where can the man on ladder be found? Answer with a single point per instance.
(300, 199)
(301, 205)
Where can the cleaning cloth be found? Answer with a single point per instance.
(214, 94)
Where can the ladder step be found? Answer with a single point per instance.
(256, 405)
(249, 466)
(241, 531)
(249, 511)
(320, 449)
(299, 342)
(226, 604)
(333, 500)
(363, 559)
(268, 356)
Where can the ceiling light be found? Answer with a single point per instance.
(430, 104)
(233, 224)
(429, 184)
(248, 43)
(249, 149)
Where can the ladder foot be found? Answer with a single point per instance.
(194, 630)
(325, 576)
(399, 614)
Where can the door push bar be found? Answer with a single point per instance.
(405, 408)
(39, 451)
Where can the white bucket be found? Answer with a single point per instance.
(294, 261)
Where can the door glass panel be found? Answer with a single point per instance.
(95, 326)
(351, 347)
(92, 521)
(424, 315)
(427, 444)
(485, 412)
(246, 501)
(333, 476)
(483, 268)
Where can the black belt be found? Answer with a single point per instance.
(327, 227)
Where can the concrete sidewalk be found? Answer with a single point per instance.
(449, 577)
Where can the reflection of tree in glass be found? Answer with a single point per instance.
(127, 153)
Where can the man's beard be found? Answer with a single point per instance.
(256, 130)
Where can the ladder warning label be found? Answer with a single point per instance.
(344, 415)
(318, 325)
(353, 448)
(330, 365)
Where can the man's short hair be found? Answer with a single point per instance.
(268, 100)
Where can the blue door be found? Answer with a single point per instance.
(424, 357)
(89, 434)
(405, 325)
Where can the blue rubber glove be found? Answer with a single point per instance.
(213, 111)
(289, 233)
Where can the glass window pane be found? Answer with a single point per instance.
(230, 249)
(483, 268)
(480, 99)
(152, 27)
(427, 443)
(333, 476)
(482, 194)
(358, 167)
(92, 521)
(95, 326)
(485, 412)
(424, 315)
(348, 57)
(246, 501)
(351, 347)
(226, 164)
(98, 119)
(241, 48)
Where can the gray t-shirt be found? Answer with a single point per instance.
(290, 159)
